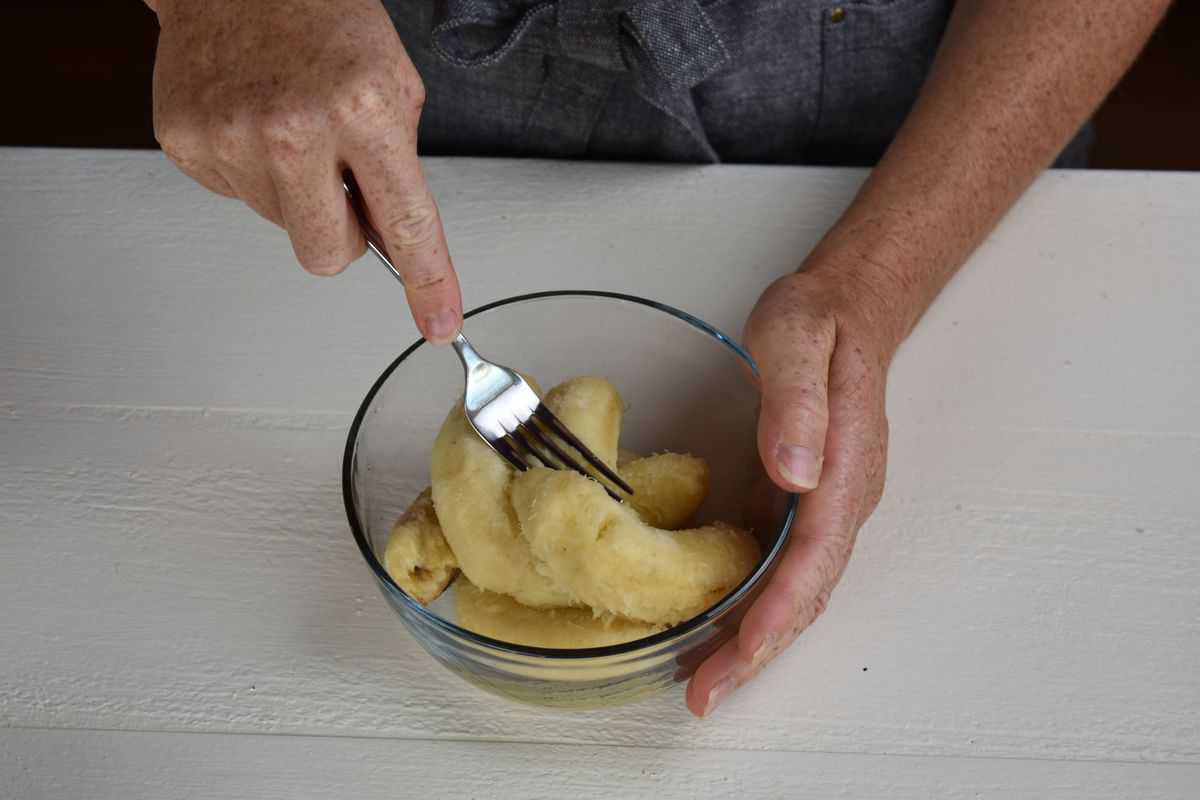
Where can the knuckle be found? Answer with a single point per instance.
(802, 409)
(785, 333)
(424, 280)
(808, 398)
(839, 545)
(379, 99)
(413, 226)
(362, 103)
(874, 495)
(170, 139)
(287, 129)
(789, 638)
(810, 596)
(876, 466)
(809, 610)
(413, 92)
(834, 550)
(813, 607)
(177, 142)
(227, 142)
(198, 170)
(820, 603)
(185, 163)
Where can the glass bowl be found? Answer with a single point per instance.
(687, 389)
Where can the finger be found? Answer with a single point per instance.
(793, 354)
(256, 190)
(810, 567)
(237, 152)
(822, 537)
(798, 592)
(715, 680)
(404, 212)
(324, 233)
(206, 176)
(213, 181)
(188, 151)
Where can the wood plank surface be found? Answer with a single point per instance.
(174, 396)
(82, 765)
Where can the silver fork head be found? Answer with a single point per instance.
(507, 414)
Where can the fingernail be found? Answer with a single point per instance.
(764, 651)
(441, 327)
(717, 694)
(801, 466)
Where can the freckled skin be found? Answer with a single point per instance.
(269, 102)
(1013, 81)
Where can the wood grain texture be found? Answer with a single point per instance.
(174, 396)
(83, 765)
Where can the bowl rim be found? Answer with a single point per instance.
(634, 646)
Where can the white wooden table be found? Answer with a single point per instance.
(183, 613)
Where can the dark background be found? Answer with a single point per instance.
(79, 76)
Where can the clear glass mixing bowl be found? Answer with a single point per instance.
(686, 388)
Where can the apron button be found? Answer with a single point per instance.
(837, 14)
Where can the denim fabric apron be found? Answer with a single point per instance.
(767, 81)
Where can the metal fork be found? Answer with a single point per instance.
(501, 405)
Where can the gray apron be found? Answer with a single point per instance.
(765, 81)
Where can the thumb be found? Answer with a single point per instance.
(793, 359)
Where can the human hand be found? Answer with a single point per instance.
(269, 102)
(823, 351)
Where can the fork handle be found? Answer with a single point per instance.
(374, 240)
(467, 354)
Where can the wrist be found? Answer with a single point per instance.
(867, 286)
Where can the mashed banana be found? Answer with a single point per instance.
(498, 616)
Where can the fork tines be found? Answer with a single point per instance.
(535, 438)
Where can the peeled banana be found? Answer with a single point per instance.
(551, 559)
(606, 558)
(417, 556)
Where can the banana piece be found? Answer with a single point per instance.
(668, 488)
(470, 490)
(625, 457)
(552, 539)
(417, 556)
(500, 617)
(602, 555)
(591, 408)
(471, 485)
